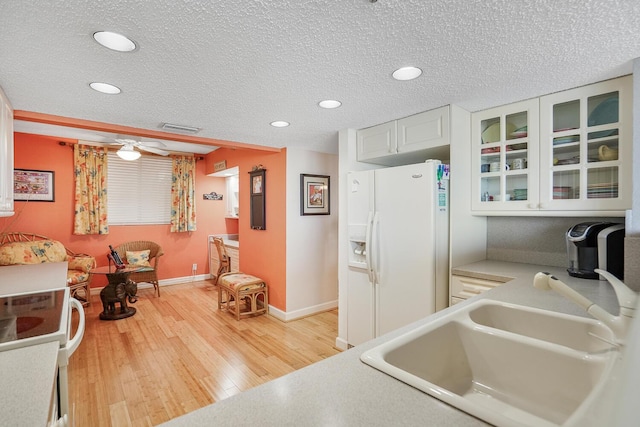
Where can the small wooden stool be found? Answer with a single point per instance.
(237, 286)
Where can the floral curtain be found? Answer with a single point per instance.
(90, 171)
(183, 194)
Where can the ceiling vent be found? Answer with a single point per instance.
(170, 127)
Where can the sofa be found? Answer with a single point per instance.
(18, 248)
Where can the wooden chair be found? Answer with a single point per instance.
(224, 265)
(155, 252)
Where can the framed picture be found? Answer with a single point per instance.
(256, 184)
(33, 185)
(314, 194)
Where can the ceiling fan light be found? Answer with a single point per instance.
(128, 153)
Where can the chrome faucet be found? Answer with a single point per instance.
(627, 299)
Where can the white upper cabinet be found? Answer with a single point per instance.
(505, 157)
(408, 140)
(377, 142)
(568, 153)
(6, 156)
(585, 150)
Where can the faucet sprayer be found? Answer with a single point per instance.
(619, 325)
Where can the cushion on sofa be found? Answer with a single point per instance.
(35, 252)
(81, 263)
(76, 276)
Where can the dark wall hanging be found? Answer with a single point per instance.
(257, 198)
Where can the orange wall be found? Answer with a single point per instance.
(55, 219)
(262, 252)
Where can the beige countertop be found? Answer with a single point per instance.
(230, 240)
(343, 391)
(27, 377)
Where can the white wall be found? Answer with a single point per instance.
(468, 233)
(312, 240)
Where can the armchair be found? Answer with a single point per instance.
(133, 253)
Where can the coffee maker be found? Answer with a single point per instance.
(592, 245)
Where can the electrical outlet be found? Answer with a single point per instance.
(195, 267)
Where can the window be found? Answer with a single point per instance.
(139, 192)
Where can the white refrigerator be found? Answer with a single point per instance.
(399, 247)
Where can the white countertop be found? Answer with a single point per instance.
(343, 391)
(230, 240)
(27, 377)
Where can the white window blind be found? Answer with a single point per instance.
(139, 191)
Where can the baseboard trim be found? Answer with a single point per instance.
(341, 344)
(287, 316)
(275, 312)
(164, 282)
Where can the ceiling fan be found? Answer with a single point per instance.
(128, 152)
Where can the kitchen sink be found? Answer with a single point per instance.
(575, 332)
(506, 364)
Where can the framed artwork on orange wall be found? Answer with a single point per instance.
(33, 185)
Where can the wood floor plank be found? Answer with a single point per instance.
(179, 353)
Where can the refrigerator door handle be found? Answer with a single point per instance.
(374, 248)
(367, 246)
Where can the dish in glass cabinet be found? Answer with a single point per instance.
(491, 134)
(519, 133)
(605, 112)
(566, 139)
(490, 150)
(571, 161)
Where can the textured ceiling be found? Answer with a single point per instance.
(231, 67)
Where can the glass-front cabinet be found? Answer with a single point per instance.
(565, 152)
(585, 148)
(505, 147)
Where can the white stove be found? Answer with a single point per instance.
(40, 317)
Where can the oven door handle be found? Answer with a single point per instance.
(74, 342)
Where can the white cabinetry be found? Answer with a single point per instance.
(232, 196)
(234, 257)
(408, 140)
(565, 153)
(463, 287)
(585, 148)
(6, 156)
(232, 251)
(505, 148)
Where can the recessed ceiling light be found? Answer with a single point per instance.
(407, 73)
(114, 41)
(279, 124)
(105, 88)
(329, 103)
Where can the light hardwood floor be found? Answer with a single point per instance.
(179, 353)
